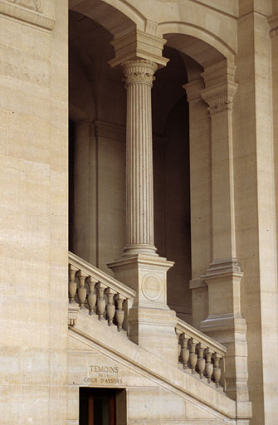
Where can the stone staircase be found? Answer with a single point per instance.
(98, 317)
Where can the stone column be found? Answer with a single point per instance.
(138, 76)
(151, 322)
(223, 277)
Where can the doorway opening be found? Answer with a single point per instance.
(99, 406)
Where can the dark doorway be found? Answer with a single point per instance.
(101, 406)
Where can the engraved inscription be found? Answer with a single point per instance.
(151, 287)
(103, 375)
(29, 4)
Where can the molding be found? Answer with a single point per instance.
(140, 259)
(223, 268)
(136, 44)
(197, 283)
(151, 27)
(220, 98)
(223, 323)
(218, 73)
(193, 89)
(29, 11)
(220, 86)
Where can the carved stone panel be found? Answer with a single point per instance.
(36, 5)
(40, 13)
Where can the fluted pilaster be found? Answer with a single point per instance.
(138, 77)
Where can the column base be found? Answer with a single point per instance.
(231, 332)
(139, 249)
(151, 324)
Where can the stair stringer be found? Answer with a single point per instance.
(93, 345)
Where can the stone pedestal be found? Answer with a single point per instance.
(226, 325)
(151, 322)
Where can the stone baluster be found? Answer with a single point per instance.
(192, 356)
(209, 365)
(216, 369)
(201, 363)
(72, 283)
(110, 309)
(120, 314)
(82, 291)
(92, 296)
(101, 303)
(184, 355)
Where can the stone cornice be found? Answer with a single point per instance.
(29, 11)
(136, 44)
(193, 89)
(220, 98)
(220, 86)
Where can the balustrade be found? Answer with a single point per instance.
(201, 355)
(99, 294)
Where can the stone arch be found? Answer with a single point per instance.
(114, 15)
(199, 44)
(192, 38)
(129, 11)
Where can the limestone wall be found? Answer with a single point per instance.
(33, 110)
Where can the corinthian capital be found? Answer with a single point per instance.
(139, 71)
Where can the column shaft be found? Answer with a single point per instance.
(139, 157)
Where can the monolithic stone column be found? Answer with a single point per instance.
(223, 277)
(138, 76)
(151, 322)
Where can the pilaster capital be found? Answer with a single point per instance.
(220, 98)
(193, 89)
(220, 86)
(135, 44)
(139, 71)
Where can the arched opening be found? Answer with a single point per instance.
(98, 108)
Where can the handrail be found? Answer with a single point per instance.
(101, 276)
(201, 354)
(94, 291)
(192, 332)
